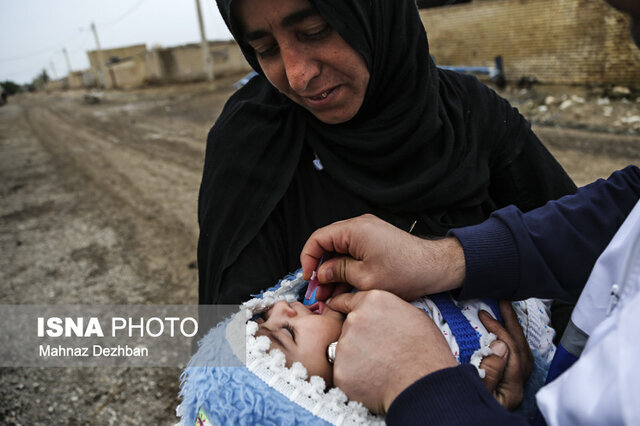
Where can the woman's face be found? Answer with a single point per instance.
(302, 335)
(304, 57)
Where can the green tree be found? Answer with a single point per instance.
(39, 81)
(10, 87)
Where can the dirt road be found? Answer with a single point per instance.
(99, 207)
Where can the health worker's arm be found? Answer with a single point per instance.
(548, 252)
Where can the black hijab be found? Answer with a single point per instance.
(422, 142)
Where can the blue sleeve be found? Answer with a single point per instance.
(453, 396)
(547, 252)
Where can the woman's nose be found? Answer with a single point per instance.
(299, 67)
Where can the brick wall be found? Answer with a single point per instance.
(554, 41)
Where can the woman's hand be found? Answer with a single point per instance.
(510, 366)
(373, 254)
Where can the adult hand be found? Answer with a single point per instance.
(510, 366)
(373, 254)
(386, 345)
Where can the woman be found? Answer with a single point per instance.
(349, 115)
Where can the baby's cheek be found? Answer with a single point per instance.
(320, 367)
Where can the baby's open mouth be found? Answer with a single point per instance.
(317, 308)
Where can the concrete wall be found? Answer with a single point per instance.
(228, 59)
(89, 78)
(112, 58)
(56, 85)
(554, 41)
(118, 53)
(129, 73)
(134, 66)
(185, 63)
(74, 80)
(182, 63)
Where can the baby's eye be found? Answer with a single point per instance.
(290, 329)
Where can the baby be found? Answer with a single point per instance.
(303, 333)
(286, 367)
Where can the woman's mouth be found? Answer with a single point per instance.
(323, 97)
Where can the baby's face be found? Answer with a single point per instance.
(303, 335)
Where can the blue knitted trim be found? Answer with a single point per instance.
(466, 337)
(290, 277)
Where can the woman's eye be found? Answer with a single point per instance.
(317, 33)
(266, 52)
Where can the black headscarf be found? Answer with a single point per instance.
(422, 142)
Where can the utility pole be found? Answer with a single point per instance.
(53, 69)
(101, 74)
(66, 57)
(206, 54)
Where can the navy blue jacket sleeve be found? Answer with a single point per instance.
(547, 252)
(453, 396)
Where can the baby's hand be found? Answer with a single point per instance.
(510, 365)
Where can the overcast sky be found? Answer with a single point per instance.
(34, 32)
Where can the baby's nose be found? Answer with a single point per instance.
(284, 308)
